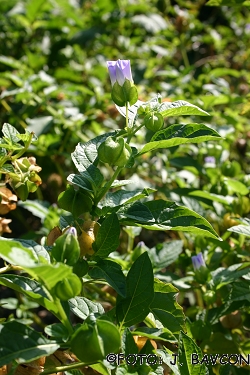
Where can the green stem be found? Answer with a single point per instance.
(107, 186)
(20, 153)
(10, 268)
(66, 367)
(9, 109)
(104, 294)
(184, 52)
(4, 159)
(149, 322)
(134, 132)
(63, 316)
(127, 115)
(199, 298)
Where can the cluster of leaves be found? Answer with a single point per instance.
(54, 83)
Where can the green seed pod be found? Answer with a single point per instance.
(75, 201)
(21, 191)
(68, 288)
(114, 151)
(92, 342)
(153, 121)
(66, 248)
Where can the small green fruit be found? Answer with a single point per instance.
(114, 151)
(92, 342)
(68, 288)
(153, 121)
(66, 248)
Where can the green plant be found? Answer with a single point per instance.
(138, 293)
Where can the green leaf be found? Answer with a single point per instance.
(40, 125)
(82, 307)
(140, 293)
(239, 291)
(223, 276)
(10, 133)
(220, 344)
(15, 253)
(13, 63)
(180, 108)
(165, 254)
(166, 215)
(178, 134)
(219, 72)
(33, 8)
(212, 197)
(137, 212)
(170, 359)
(226, 2)
(30, 288)
(165, 308)
(128, 343)
(80, 181)
(100, 368)
(50, 274)
(121, 198)
(241, 229)
(236, 186)
(112, 273)
(118, 183)
(25, 137)
(107, 239)
(90, 179)
(57, 330)
(163, 334)
(21, 343)
(187, 349)
(37, 249)
(36, 207)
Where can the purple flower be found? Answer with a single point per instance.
(119, 71)
(72, 231)
(198, 262)
(210, 159)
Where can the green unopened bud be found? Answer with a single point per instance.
(153, 121)
(114, 152)
(66, 248)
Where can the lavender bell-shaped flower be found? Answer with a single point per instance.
(123, 90)
(119, 71)
(200, 268)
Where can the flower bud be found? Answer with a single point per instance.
(200, 269)
(114, 151)
(123, 89)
